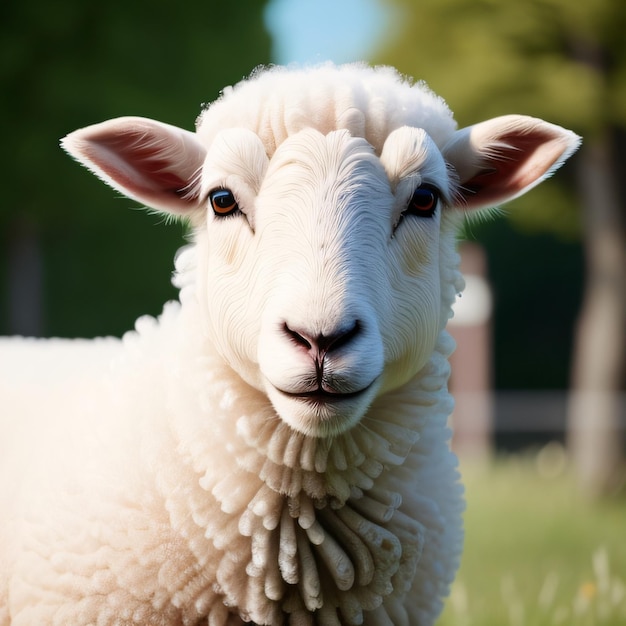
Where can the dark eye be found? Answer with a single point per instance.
(423, 202)
(223, 202)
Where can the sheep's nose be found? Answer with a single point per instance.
(319, 345)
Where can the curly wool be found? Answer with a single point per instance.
(318, 524)
(273, 448)
(291, 527)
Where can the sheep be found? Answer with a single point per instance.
(274, 448)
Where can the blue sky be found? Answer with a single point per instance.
(309, 31)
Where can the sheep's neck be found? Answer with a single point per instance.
(315, 520)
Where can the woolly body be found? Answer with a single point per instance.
(274, 447)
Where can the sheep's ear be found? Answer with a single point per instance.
(151, 162)
(504, 157)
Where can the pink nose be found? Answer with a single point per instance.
(319, 345)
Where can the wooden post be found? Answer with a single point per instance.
(471, 379)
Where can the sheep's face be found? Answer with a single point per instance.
(322, 277)
(322, 251)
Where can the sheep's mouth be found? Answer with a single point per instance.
(320, 412)
(321, 396)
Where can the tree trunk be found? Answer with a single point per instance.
(595, 429)
(24, 279)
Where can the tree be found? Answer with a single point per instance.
(67, 245)
(565, 62)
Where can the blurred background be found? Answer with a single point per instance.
(540, 372)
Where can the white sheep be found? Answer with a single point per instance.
(273, 449)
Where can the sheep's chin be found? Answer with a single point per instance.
(325, 417)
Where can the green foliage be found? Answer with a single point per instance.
(67, 64)
(550, 58)
(537, 554)
(560, 60)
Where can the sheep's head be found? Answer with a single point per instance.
(323, 262)
(324, 236)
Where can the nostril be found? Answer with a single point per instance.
(296, 337)
(321, 343)
(338, 339)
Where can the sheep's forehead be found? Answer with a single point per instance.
(328, 164)
(337, 165)
(368, 102)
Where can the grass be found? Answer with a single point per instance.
(538, 554)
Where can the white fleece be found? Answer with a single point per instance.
(274, 447)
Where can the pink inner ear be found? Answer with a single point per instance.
(136, 164)
(518, 161)
(151, 162)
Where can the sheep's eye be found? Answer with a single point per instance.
(423, 202)
(223, 202)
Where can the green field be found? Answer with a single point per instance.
(537, 553)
